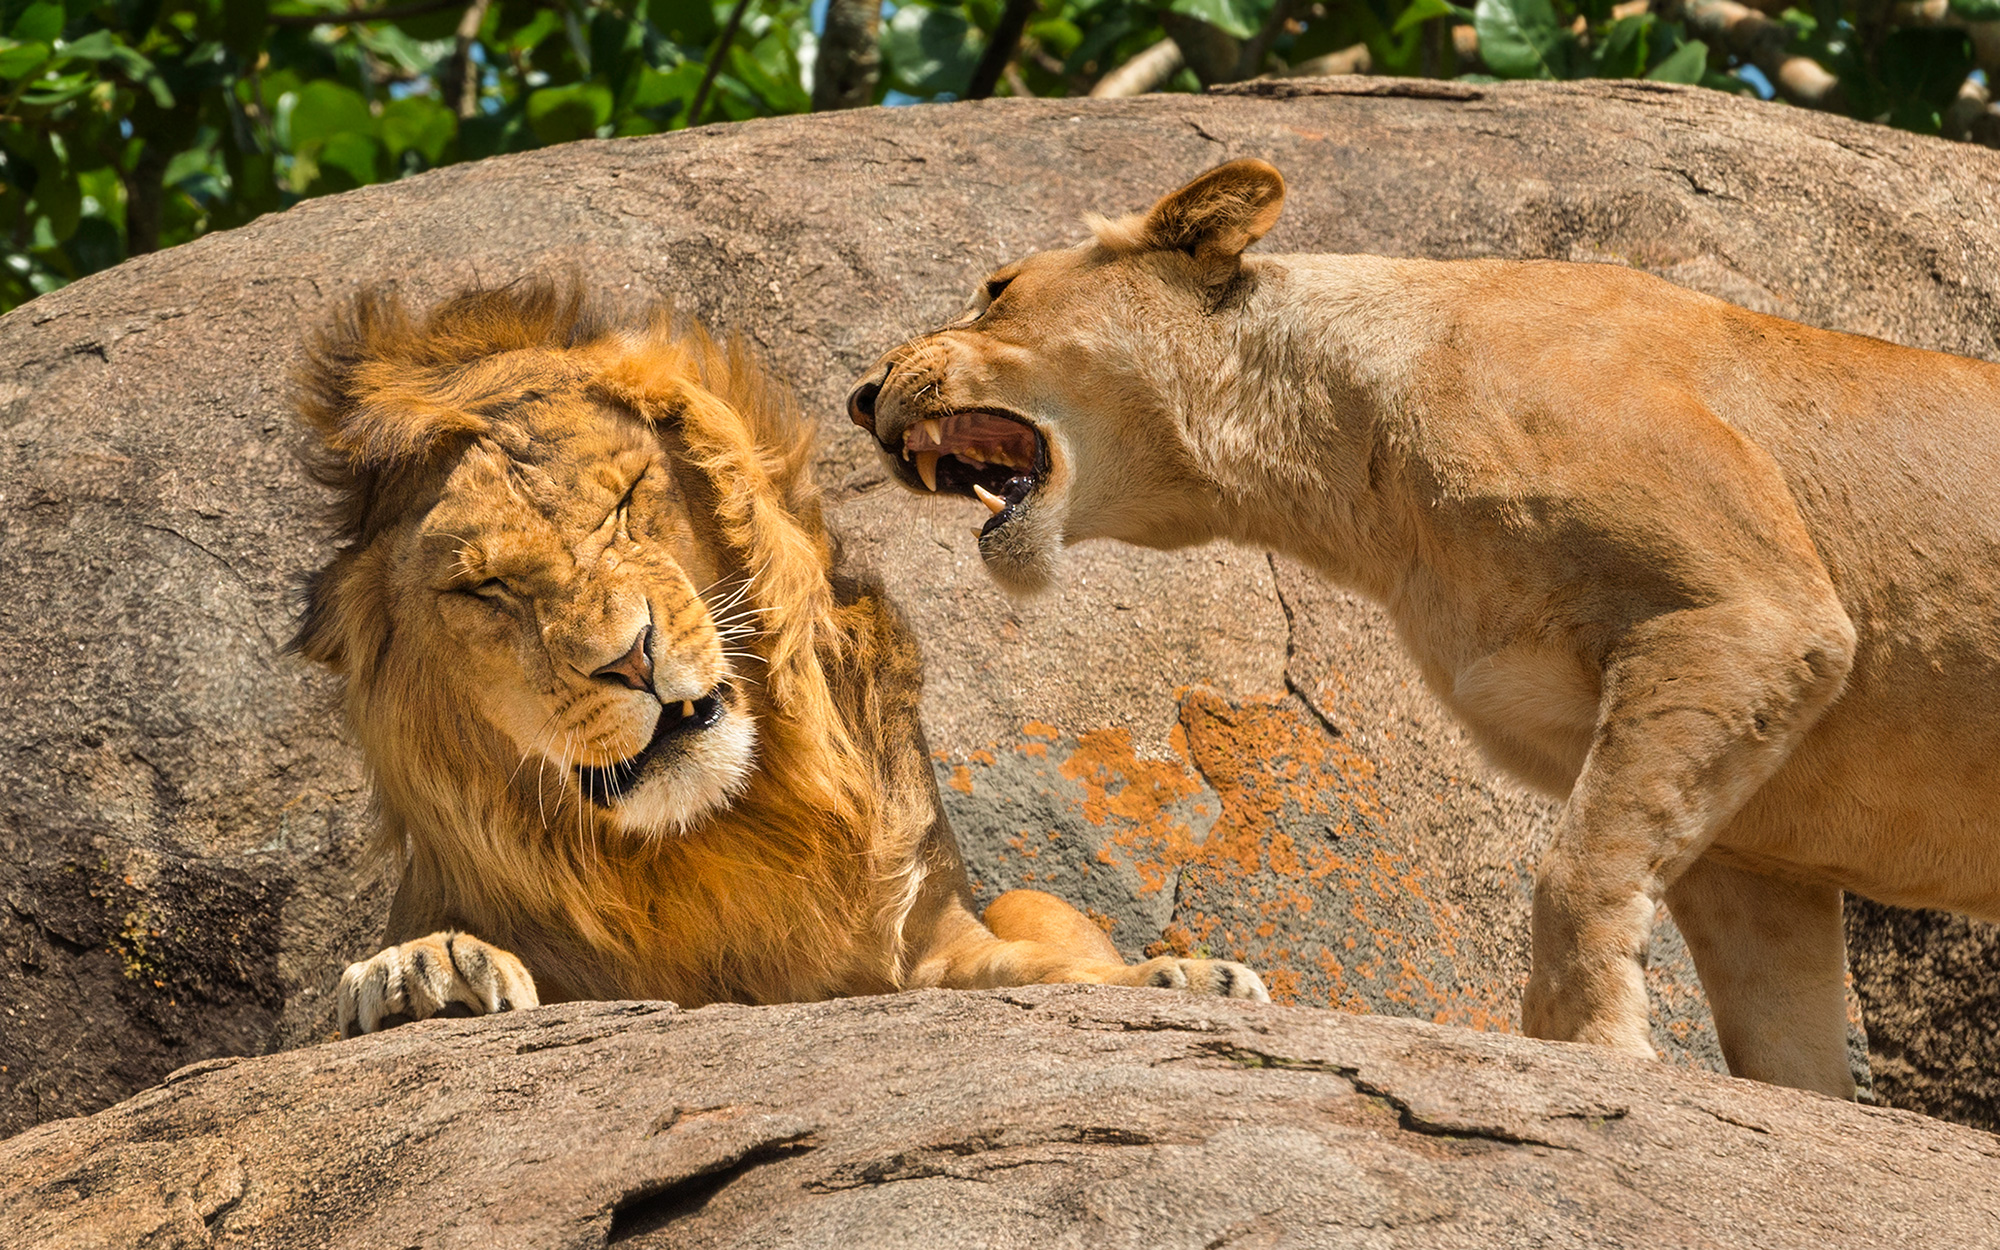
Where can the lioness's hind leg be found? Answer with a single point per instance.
(442, 974)
(1771, 955)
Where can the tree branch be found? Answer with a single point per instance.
(1353, 60)
(715, 61)
(1142, 73)
(1000, 49)
(306, 21)
(1251, 62)
(461, 77)
(1762, 42)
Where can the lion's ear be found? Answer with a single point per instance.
(1217, 215)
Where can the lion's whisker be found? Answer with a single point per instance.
(531, 744)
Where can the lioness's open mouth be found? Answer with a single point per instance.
(607, 784)
(994, 458)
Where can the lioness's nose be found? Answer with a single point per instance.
(635, 667)
(861, 400)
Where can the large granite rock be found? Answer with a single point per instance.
(1047, 1117)
(1209, 749)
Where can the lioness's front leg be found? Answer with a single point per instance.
(1032, 938)
(447, 973)
(1700, 708)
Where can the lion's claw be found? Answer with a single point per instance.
(445, 974)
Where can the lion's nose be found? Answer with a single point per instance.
(635, 667)
(861, 400)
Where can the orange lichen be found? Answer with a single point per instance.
(1277, 847)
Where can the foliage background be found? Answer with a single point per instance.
(130, 125)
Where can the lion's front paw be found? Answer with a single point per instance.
(449, 974)
(1219, 977)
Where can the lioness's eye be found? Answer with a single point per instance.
(492, 588)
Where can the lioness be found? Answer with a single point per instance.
(1729, 584)
(630, 734)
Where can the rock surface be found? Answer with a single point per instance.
(1208, 748)
(1046, 1117)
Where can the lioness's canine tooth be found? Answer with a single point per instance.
(993, 502)
(927, 468)
(687, 708)
(934, 430)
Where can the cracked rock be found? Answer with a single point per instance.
(947, 1120)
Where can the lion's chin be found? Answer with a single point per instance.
(704, 777)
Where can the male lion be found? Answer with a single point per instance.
(630, 734)
(1729, 584)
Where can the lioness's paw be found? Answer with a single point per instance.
(1220, 977)
(449, 974)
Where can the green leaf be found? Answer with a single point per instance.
(56, 197)
(563, 114)
(1058, 36)
(96, 245)
(1976, 10)
(1424, 10)
(655, 90)
(1621, 53)
(771, 70)
(18, 60)
(930, 51)
(351, 154)
(614, 46)
(1686, 64)
(689, 22)
(324, 109)
(49, 92)
(1240, 18)
(545, 23)
(1522, 39)
(418, 124)
(41, 22)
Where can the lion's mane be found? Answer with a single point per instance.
(797, 888)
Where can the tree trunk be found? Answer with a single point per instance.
(143, 191)
(850, 59)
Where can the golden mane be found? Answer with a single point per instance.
(764, 899)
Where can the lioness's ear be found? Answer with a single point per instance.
(1217, 215)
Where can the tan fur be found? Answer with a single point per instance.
(554, 532)
(1728, 584)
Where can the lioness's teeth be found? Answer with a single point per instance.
(993, 502)
(933, 429)
(687, 708)
(927, 468)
